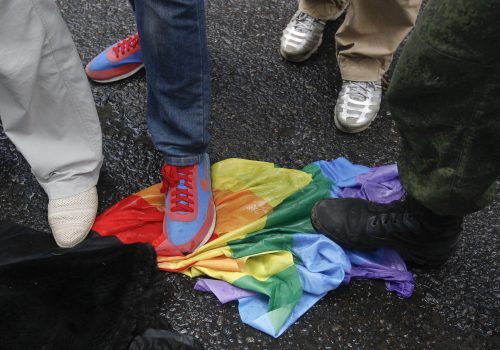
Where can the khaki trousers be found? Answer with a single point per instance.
(46, 106)
(371, 32)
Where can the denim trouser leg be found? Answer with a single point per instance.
(173, 41)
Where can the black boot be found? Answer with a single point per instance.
(414, 231)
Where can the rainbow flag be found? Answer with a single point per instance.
(263, 240)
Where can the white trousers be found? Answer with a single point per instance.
(46, 106)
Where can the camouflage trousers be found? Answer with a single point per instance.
(445, 99)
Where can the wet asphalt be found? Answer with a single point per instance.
(265, 108)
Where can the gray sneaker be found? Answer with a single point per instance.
(304, 33)
(301, 37)
(357, 105)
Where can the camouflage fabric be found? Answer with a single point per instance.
(445, 99)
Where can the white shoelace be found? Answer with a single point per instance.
(360, 90)
(304, 22)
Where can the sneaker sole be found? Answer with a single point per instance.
(119, 77)
(299, 59)
(210, 231)
(66, 246)
(350, 130)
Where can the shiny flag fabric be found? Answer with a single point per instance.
(263, 240)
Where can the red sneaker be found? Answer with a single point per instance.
(189, 208)
(117, 62)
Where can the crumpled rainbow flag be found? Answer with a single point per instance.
(264, 242)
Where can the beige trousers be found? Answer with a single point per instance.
(371, 32)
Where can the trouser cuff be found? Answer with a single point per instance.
(183, 161)
(322, 10)
(62, 188)
(362, 68)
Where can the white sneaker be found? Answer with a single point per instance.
(72, 217)
(304, 33)
(357, 105)
(302, 37)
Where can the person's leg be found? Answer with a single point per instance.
(175, 52)
(444, 98)
(370, 34)
(174, 45)
(304, 33)
(367, 39)
(48, 112)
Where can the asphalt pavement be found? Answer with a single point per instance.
(267, 109)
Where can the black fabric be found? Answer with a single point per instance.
(98, 295)
(159, 339)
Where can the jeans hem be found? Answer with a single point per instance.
(183, 161)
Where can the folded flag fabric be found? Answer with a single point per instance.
(264, 242)
(318, 273)
(379, 184)
(224, 291)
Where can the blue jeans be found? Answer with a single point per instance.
(174, 45)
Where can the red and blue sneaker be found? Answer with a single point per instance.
(189, 208)
(117, 62)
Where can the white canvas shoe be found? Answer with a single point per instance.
(72, 217)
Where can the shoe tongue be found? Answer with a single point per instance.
(302, 16)
(182, 185)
